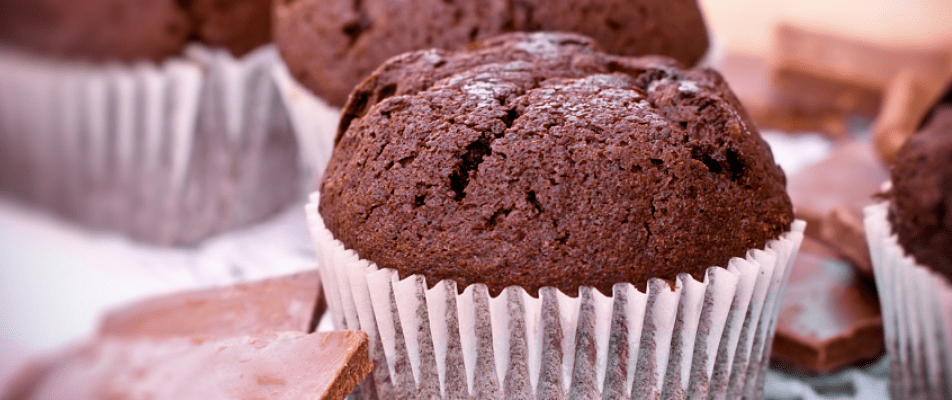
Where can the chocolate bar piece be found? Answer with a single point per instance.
(287, 365)
(829, 317)
(813, 95)
(830, 196)
(906, 108)
(870, 64)
(793, 102)
(290, 303)
(827, 72)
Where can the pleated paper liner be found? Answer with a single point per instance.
(716, 51)
(315, 121)
(917, 314)
(707, 339)
(168, 154)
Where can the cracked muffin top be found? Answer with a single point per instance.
(537, 160)
(330, 45)
(922, 193)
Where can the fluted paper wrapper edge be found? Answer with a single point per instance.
(167, 153)
(917, 314)
(700, 340)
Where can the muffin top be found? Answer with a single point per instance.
(922, 193)
(537, 160)
(124, 30)
(330, 45)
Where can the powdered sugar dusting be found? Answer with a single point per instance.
(539, 43)
(688, 87)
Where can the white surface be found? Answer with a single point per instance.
(868, 383)
(794, 152)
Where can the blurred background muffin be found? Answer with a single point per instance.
(159, 119)
(238, 25)
(108, 30)
(97, 29)
(910, 245)
(330, 46)
(922, 193)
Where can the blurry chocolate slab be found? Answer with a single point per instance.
(830, 71)
(906, 107)
(830, 196)
(813, 95)
(795, 102)
(289, 303)
(748, 26)
(829, 317)
(870, 64)
(288, 365)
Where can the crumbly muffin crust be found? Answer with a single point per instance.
(536, 160)
(330, 45)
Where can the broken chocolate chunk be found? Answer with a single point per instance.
(287, 365)
(829, 317)
(830, 196)
(289, 303)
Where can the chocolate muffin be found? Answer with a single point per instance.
(96, 29)
(330, 45)
(537, 160)
(238, 25)
(922, 193)
(132, 30)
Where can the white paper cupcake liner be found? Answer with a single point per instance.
(917, 314)
(169, 154)
(314, 120)
(701, 340)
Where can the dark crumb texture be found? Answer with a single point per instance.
(330, 45)
(922, 193)
(126, 30)
(536, 160)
